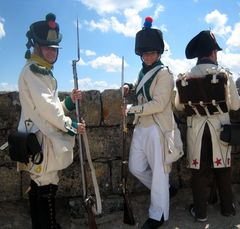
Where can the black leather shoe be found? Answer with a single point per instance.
(152, 223)
(192, 212)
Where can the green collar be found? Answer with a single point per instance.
(35, 68)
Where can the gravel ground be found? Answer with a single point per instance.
(15, 214)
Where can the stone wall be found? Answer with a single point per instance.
(101, 112)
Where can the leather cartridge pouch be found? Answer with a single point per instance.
(231, 134)
(24, 147)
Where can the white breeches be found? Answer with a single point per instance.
(146, 163)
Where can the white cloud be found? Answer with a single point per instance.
(8, 87)
(103, 25)
(82, 62)
(89, 84)
(132, 25)
(176, 66)
(111, 63)
(220, 28)
(2, 31)
(159, 8)
(234, 40)
(114, 6)
(218, 20)
(230, 61)
(130, 9)
(226, 59)
(90, 53)
(167, 52)
(163, 28)
(129, 29)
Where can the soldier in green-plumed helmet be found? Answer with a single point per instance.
(43, 114)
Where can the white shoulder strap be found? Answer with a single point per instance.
(147, 77)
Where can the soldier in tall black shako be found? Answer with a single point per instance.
(43, 113)
(153, 120)
(207, 93)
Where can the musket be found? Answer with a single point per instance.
(128, 217)
(88, 200)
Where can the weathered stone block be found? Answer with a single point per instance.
(10, 184)
(91, 108)
(111, 107)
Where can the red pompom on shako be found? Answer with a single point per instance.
(148, 22)
(50, 18)
(148, 18)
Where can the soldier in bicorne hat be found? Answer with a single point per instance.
(155, 127)
(43, 114)
(206, 114)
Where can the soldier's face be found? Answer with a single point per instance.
(50, 54)
(150, 57)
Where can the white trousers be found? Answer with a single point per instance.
(146, 163)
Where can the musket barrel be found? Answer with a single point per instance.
(82, 141)
(128, 216)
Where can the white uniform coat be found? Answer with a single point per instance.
(159, 112)
(195, 124)
(40, 103)
(152, 140)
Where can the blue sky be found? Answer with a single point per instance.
(107, 32)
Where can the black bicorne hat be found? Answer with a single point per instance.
(202, 45)
(44, 33)
(148, 39)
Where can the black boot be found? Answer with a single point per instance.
(152, 223)
(33, 205)
(46, 207)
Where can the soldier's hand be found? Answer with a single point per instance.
(125, 89)
(76, 95)
(81, 127)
